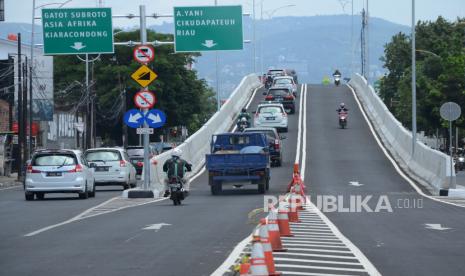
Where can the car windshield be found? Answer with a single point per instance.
(279, 92)
(106, 155)
(54, 160)
(270, 109)
(135, 151)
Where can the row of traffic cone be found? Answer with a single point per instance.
(267, 237)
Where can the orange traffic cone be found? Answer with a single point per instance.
(244, 269)
(268, 252)
(283, 221)
(292, 210)
(258, 265)
(297, 195)
(273, 232)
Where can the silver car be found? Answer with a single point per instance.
(271, 115)
(58, 171)
(112, 167)
(286, 81)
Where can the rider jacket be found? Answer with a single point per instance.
(176, 167)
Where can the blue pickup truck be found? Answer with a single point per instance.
(238, 157)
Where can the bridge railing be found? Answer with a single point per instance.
(197, 145)
(429, 167)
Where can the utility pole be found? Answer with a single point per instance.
(20, 112)
(362, 44)
(414, 83)
(125, 127)
(25, 112)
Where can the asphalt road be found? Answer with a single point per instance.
(397, 242)
(200, 235)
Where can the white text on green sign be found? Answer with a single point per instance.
(208, 28)
(77, 31)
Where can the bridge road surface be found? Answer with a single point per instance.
(201, 235)
(397, 243)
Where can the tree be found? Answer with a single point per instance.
(184, 98)
(440, 73)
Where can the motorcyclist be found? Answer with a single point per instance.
(337, 73)
(244, 114)
(342, 108)
(176, 167)
(269, 81)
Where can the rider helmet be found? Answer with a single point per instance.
(176, 152)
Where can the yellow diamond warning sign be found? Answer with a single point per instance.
(144, 76)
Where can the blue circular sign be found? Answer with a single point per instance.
(155, 118)
(133, 118)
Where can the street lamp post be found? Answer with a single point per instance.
(414, 86)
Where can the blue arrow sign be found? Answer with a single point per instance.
(133, 118)
(155, 118)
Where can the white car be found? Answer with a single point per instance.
(58, 171)
(286, 81)
(271, 115)
(112, 167)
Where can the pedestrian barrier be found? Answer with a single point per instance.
(197, 145)
(429, 167)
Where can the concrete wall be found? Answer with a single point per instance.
(429, 167)
(197, 145)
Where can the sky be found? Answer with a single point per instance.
(397, 11)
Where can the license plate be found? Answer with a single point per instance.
(54, 174)
(270, 118)
(101, 169)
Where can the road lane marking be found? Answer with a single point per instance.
(320, 267)
(88, 214)
(9, 188)
(316, 261)
(330, 256)
(304, 138)
(391, 159)
(284, 272)
(299, 128)
(232, 257)
(305, 244)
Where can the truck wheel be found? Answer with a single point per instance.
(215, 186)
(262, 186)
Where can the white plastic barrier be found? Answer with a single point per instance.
(429, 167)
(197, 145)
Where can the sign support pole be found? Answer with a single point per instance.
(218, 105)
(143, 40)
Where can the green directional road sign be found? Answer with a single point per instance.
(208, 28)
(77, 31)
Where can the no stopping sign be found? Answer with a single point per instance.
(144, 54)
(144, 99)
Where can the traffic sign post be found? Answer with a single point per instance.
(144, 54)
(77, 31)
(144, 99)
(450, 111)
(208, 28)
(144, 76)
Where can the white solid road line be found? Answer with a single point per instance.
(294, 242)
(304, 244)
(316, 255)
(284, 272)
(320, 250)
(304, 138)
(321, 267)
(388, 156)
(316, 261)
(9, 188)
(299, 128)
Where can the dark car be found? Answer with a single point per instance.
(274, 140)
(282, 95)
(136, 156)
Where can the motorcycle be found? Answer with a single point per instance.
(460, 163)
(337, 80)
(177, 192)
(343, 119)
(242, 124)
(268, 83)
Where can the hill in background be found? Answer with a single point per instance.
(315, 46)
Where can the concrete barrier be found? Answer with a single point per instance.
(427, 166)
(197, 145)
